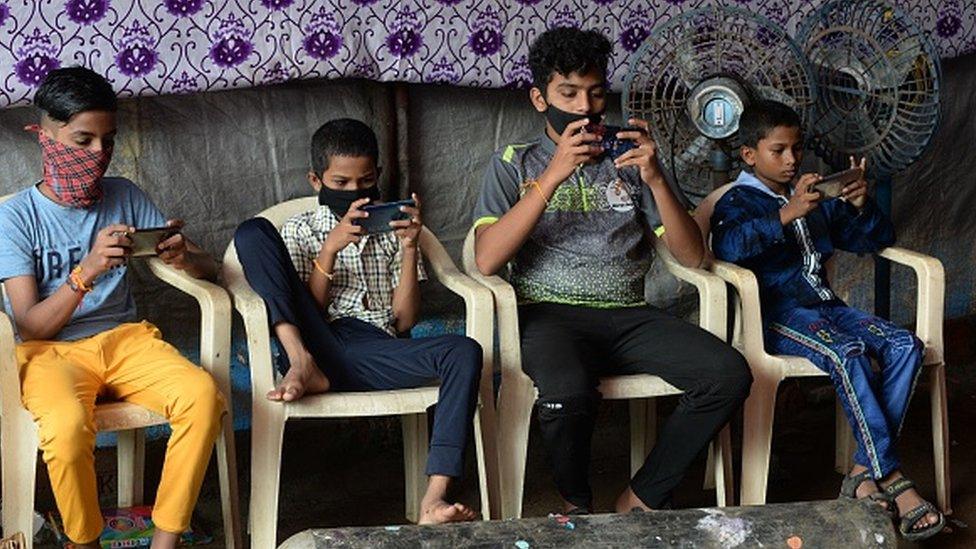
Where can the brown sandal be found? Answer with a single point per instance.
(850, 484)
(907, 522)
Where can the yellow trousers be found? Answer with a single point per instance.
(60, 382)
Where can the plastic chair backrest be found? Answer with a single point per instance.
(703, 213)
(277, 215)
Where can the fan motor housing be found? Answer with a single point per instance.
(715, 106)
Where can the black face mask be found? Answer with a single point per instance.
(339, 201)
(559, 118)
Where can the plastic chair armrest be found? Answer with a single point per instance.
(214, 317)
(747, 288)
(10, 396)
(712, 298)
(930, 299)
(477, 299)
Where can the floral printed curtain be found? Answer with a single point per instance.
(150, 47)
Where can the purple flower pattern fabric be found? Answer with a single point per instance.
(136, 55)
(151, 47)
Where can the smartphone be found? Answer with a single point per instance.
(615, 146)
(608, 140)
(380, 216)
(144, 241)
(832, 185)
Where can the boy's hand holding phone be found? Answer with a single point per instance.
(644, 156)
(857, 192)
(347, 232)
(408, 230)
(803, 201)
(575, 147)
(109, 251)
(172, 249)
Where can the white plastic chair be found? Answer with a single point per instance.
(769, 370)
(518, 394)
(411, 404)
(18, 432)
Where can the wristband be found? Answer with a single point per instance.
(76, 283)
(535, 183)
(319, 268)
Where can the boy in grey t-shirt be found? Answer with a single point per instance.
(574, 224)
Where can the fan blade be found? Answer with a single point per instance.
(776, 94)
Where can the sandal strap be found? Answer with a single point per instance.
(911, 518)
(850, 484)
(898, 487)
(879, 497)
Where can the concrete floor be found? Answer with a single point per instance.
(350, 472)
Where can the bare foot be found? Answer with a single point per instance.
(908, 500)
(573, 508)
(628, 501)
(439, 511)
(164, 540)
(303, 377)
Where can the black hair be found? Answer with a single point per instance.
(760, 117)
(567, 50)
(69, 91)
(342, 137)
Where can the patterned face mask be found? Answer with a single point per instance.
(74, 175)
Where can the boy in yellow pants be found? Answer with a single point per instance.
(63, 249)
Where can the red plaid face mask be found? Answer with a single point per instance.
(74, 175)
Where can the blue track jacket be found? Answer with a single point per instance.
(789, 261)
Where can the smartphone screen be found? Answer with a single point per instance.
(380, 216)
(832, 185)
(144, 241)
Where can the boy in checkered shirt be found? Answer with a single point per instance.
(337, 298)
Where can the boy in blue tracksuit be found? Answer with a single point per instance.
(784, 232)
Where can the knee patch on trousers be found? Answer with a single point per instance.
(572, 405)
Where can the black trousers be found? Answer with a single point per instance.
(357, 356)
(567, 349)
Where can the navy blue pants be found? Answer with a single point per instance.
(841, 341)
(358, 356)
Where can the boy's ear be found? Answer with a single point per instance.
(748, 155)
(538, 99)
(314, 181)
(49, 126)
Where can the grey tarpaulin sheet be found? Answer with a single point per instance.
(215, 159)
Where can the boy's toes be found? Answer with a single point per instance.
(292, 392)
(931, 519)
(440, 512)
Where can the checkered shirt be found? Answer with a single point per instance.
(365, 274)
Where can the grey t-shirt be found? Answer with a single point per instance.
(590, 247)
(46, 240)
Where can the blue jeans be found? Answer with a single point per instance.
(841, 340)
(357, 356)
